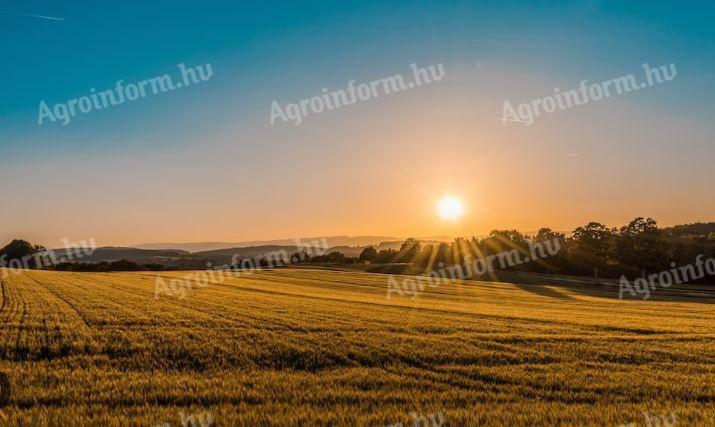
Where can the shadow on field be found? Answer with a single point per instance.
(555, 286)
(5, 390)
(543, 290)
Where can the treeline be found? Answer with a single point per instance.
(21, 254)
(635, 249)
(103, 267)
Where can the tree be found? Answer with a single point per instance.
(640, 245)
(409, 250)
(424, 256)
(593, 245)
(444, 255)
(503, 241)
(460, 250)
(509, 236)
(336, 257)
(21, 252)
(298, 257)
(369, 254)
(557, 262)
(386, 256)
(547, 234)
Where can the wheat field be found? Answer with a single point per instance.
(320, 347)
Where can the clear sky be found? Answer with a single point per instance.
(203, 163)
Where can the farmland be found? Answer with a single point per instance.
(320, 347)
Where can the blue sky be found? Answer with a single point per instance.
(286, 51)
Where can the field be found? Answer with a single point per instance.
(319, 347)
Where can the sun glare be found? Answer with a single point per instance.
(450, 208)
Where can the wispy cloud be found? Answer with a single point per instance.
(33, 16)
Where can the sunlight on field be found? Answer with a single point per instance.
(317, 347)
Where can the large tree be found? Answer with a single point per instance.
(368, 254)
(20, 253)
(409, 250)
(640, 245)
(593, 246)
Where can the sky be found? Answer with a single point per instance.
(204, 163)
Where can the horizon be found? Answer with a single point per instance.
(376, 237)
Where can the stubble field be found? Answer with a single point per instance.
(319, 347)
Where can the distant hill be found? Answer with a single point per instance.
(225, 256)
(348, 251)
(188, 247)
(701, 229)
(212, 246)
(184, 259)
(355, 251)
(142, 256)
(177, 258)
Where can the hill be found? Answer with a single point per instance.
(225, 256)
(355, 251)
(211, 246)
(698, 229)
(143, 256)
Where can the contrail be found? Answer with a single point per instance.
(33, 16)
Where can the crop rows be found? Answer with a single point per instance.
(319, 347)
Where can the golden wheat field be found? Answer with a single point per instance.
(319, 347)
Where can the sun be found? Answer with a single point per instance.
(450, 208)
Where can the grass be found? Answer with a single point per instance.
(317, 347)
